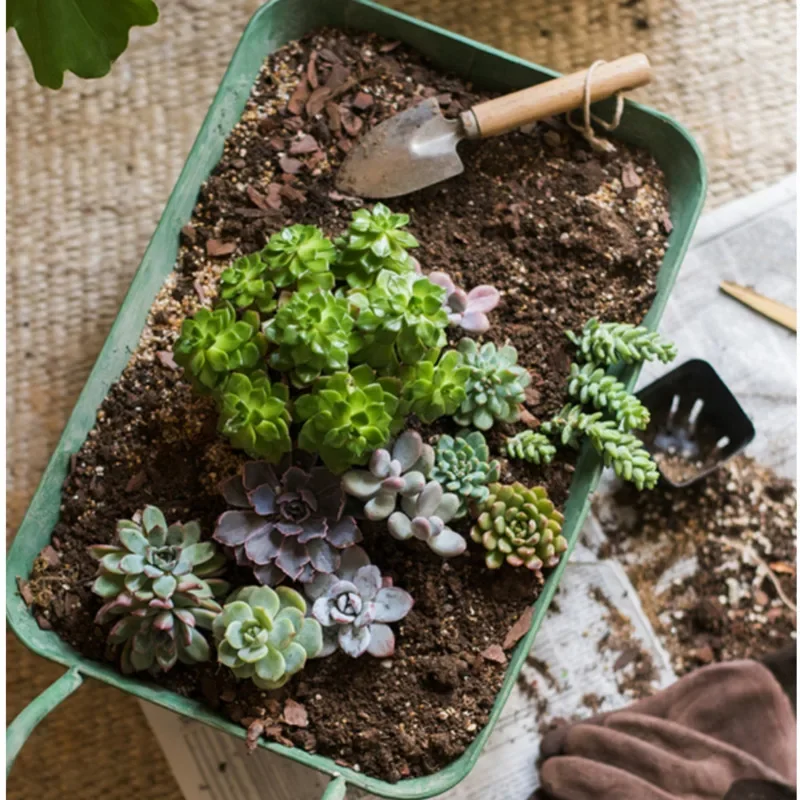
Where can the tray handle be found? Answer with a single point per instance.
(335, 790)
(22, 727)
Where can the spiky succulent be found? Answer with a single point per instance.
(300, 256)
(213, 344)
(425, 517)
(519, 526)
(313, 331)
(354, 605)
(285, 522)
(254, 415)
(495, 385)
(625, 453)
(347, 416)
(374, 241)
(432, 390)
(244, 284)
(591, 384)
(529, 446)
(264, 634)
(569, 424)
(462, 466)
(467, 310)
(401, 318)
(399, 473)
(610, 342)
(152, 582)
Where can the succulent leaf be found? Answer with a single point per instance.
(625, 453)
(467, 310)
(569, 424)
(610, 342)
(590, 384)
(530, 446)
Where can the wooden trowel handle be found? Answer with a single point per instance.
(555, 97)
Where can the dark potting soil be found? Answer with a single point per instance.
(564, 233)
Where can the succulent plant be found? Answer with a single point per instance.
(425, 517)
(468, 310)
(264, 634)
(625, 453)
(254, 415)
(591, 384)
(610, 342)
(495, 385)
(401, 318)
(245, 285)
(300, 256)
(401, 472)
(285, 522)
(347, 416)
(374, 241)
(313, 331)
(354, 605)
(432, 390)
(519, 526)
(569, 424)
(213, 344)
(529, 446)
(462, 466)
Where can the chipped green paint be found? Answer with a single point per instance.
(272, 26)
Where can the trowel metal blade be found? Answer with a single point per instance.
(410, 151)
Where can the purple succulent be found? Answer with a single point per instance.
(467, 309)
(354, 605)
(286, 527)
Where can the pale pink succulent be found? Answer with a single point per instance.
(467, 309)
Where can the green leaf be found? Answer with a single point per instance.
(82, 36)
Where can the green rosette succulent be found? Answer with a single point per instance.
(624, 453)
(433, 390)
(244, 284)
(300, 256)
(529, 446)
(347, 416)
(314, 335)
(520, 527)
(591, 384)
(402, 318)
(570, 424)
(462, 466)
(254, 415)
(374, 241)
(610, 342)
(213, 344)
(495, 385)
(264, 635)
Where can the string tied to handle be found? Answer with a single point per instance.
(585, 128)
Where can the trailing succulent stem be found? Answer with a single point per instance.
(530, 446)
(590, 384)
(569, 424)
(625, 453)
(609, 342)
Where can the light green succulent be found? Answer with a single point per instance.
(529, 446)
(347, 416)
(300, 256)
(591, 384)
(374, 241)
(264, 634)
(494, 387)
(624, 453)
(213, 344)
(402, 319)
(245, 285)
(569, 425)
(254, 414)
(435, 389)
(462, 466)
(314, 335)
(610, 342)
(519, 526)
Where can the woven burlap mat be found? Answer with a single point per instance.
(90, 168)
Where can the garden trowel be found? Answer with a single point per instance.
(417, 147)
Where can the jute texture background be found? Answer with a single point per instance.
(90, 168)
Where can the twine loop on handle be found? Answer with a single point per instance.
(585, 129)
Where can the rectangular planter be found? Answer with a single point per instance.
(273, 25)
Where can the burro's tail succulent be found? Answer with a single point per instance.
(569, 424)
(354, 606)
(264, 635)
(425, 517)
(399, 473)
(529, 446)
(591, 384)
(610, 342)
(519, 526)
(624, 453)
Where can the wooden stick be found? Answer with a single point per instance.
(772, 309)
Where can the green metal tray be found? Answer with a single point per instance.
(273, 25)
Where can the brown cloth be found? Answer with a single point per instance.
(721, 725)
